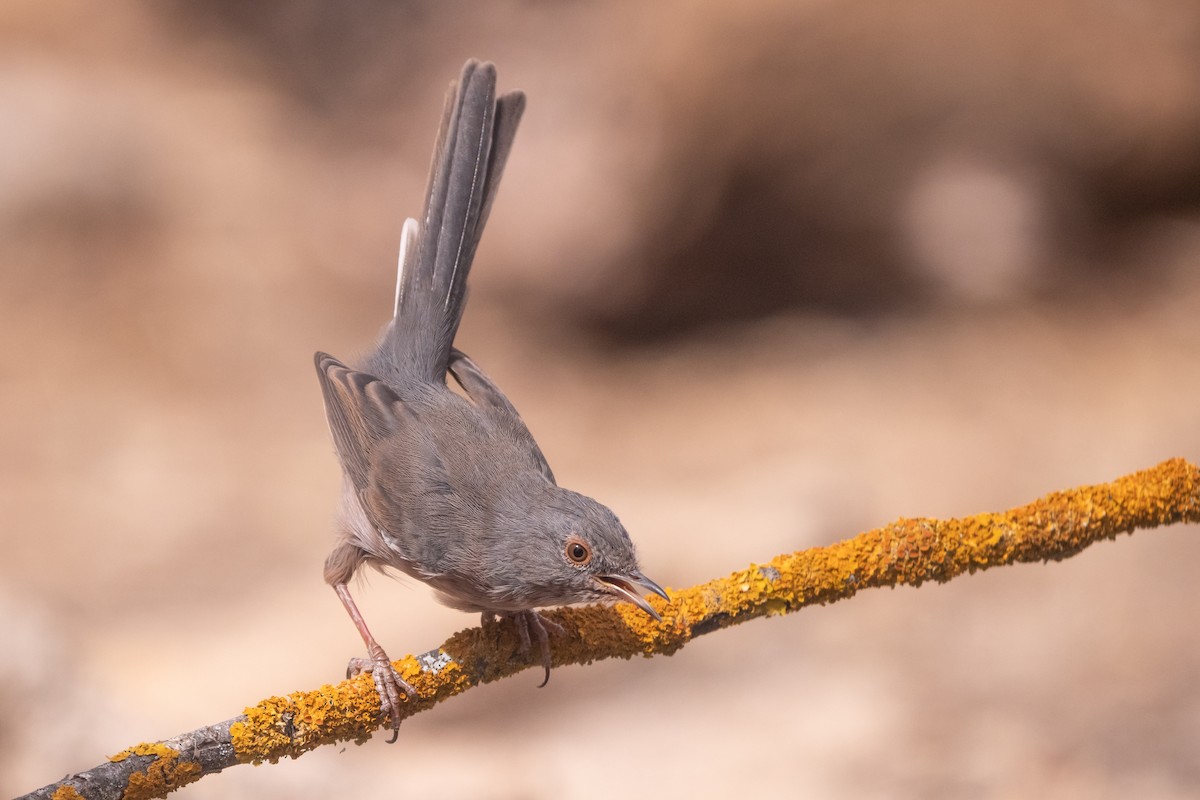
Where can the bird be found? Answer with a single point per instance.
(451, 488)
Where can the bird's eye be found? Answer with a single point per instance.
(577, 551)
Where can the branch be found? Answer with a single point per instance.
(908, 551)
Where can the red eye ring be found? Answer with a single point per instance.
(577, 552)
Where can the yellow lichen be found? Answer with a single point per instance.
(166, 773)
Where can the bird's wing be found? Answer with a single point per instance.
(361, 409)
(488, 397)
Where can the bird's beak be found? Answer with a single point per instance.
(627, 587)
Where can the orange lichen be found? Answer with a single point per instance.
(66, 792)
(165, 773)
(912, 551)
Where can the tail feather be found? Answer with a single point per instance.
(509, 109)
(456, 195)
(472, 146)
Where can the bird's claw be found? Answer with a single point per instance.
(541, 628)
(388, 684)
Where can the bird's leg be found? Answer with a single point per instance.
(522, 623)
(388, 682)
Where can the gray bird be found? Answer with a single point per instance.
(454, 491)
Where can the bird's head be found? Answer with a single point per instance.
(572, 549)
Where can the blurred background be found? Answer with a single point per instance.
(761, 276)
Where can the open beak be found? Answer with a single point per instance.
(628, 587)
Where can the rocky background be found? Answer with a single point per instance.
(761, 276)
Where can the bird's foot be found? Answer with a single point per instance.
(388, 683)
(527, 623)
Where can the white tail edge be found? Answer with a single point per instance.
(408, 238)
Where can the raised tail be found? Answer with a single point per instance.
(472, 146)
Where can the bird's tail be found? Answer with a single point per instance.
(472, 147)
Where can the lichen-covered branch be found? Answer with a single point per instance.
(908, 551)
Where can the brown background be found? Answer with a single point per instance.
(761, 276)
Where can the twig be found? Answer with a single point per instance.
(908, 551)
